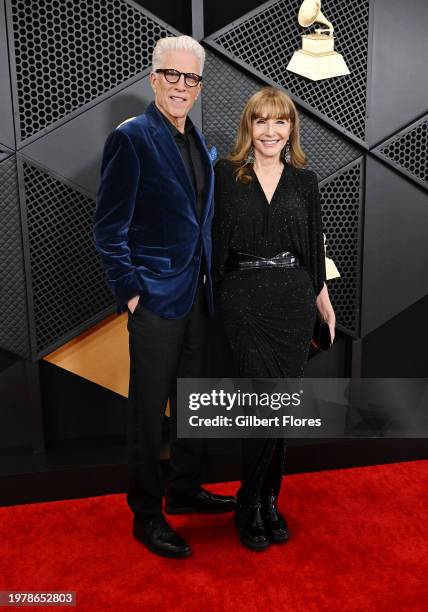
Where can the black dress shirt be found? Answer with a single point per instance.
(192, 158)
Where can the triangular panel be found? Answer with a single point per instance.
(74, 149)
(266, 39)
(395, 253)
(67, 55)
(407, 151)
(68, 286)
(13, 296)
(7, 134)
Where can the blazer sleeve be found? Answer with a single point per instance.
(222, 222)
(316, 239)
(120, 176)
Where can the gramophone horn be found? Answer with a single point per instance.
(310, 12)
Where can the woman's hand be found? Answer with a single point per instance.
(326, 311)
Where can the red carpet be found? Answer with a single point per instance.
(359, 542)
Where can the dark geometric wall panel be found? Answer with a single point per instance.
(7, 135)
(177, 13)
(399, 76)
(325, 150)
(85, 135)
(408, 151)
(13, 305)
(395, 245)
(4, 152)
(266, 38)
(68, 285)
(69, 53)
(228, 88)
(341, 198)
(222, 12)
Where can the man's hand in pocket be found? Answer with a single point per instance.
(132, 303)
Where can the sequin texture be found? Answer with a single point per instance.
(268, 313)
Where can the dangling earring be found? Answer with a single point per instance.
(286, 153)
(250, 157)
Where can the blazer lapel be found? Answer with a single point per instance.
(165, 141)
(209, 174)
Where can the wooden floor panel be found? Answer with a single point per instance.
(100, 354)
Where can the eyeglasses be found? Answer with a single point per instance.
(173, 76)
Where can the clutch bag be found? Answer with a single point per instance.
(321, 338)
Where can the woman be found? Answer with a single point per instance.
(270, 272)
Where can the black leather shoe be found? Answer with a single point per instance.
(200, 501)
(254, 535)
(160, 538)
(275, 524)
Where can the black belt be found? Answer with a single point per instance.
(244, 261)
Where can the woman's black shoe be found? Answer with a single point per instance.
(254, 535)
(275, 524)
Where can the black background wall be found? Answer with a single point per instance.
(71, 71)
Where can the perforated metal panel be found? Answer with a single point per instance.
(69, 53)
(4, 153)
(227, 88)
(341, 198)
(7, 136)
(408, 151)
(13, 307)
(395, 260)
(267, 38)
(67, 282)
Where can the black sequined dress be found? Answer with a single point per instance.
(268, 314)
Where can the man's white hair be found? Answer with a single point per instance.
(175, 43)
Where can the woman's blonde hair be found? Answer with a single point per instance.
(268, 103)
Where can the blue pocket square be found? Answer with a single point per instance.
(213, 154)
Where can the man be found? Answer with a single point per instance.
(153, 231)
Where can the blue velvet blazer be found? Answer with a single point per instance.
(146, 227)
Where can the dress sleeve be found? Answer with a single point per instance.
(316, 239)
(222, 223)
(120, 175)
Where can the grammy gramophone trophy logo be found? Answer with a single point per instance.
(317, 58)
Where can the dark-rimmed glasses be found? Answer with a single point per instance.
(173, 76)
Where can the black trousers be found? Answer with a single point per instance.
(162, 350)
